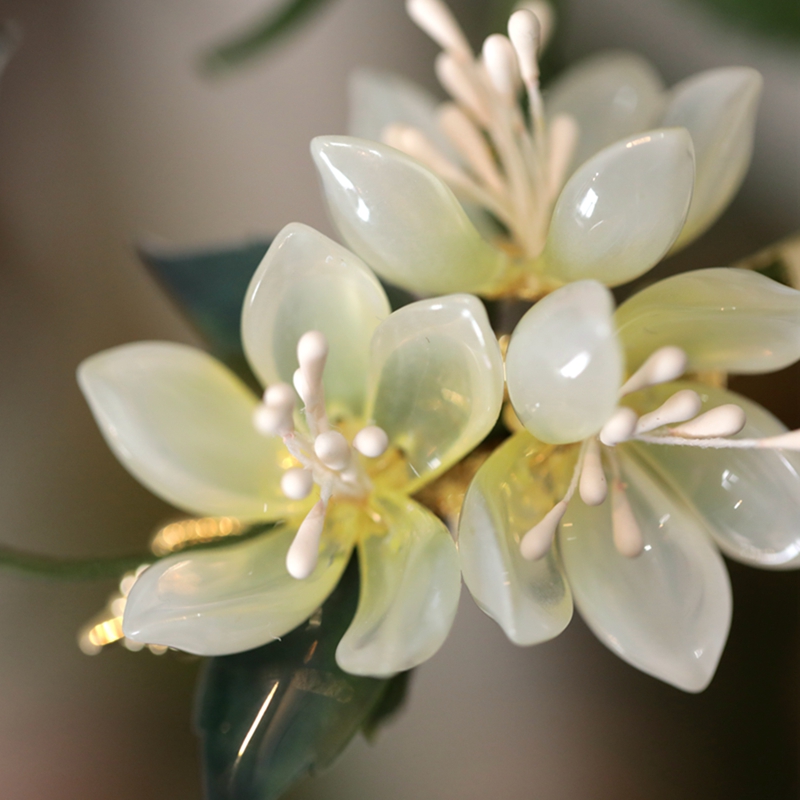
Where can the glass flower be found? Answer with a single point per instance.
(597, 179)
(391, 401)
(686, 466)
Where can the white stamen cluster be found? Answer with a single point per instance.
(677, 421)
(512, 166)
(327, 458)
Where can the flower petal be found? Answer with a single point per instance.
(229, 599)
(564, 364)
(748, 499)
(436, 382)
(410, 584)
(622, 209)
(512, 491)
(402, 219)
(667, 611)
(309, 282)
(719, 108)
(611, 95)
(730, 319)
(181, 424)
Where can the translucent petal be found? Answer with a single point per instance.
(719, 108)
(622, 210)
(564, 364)
(436, 382)
(667, 611)
(410, 584)
(519, 483)
(181, 423)
(402, 219)
(229, 599)
(749, 499)
(611, 95)
(308, 282)
(730, 319)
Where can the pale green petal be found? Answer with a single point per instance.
(181, 423)
(436, 378)
(229, 599)
(309, 282)
(667, 611)
(611, 95)
(622, 210)
(519, 483)
(719, 108)
(730, 319)
(402, 219)
(749, 499)
(564, 364)
(410, 584)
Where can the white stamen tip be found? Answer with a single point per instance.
(666, 364)
(627, 533)
(280, 396)
(539, 538)
(525, 33)
(302, 556)
(546, 16)
(297, 483)
(593, 487)
(461, 87)
(312, 350)
(721, 421)
(500, 61)
(620, 426)
(371, 441)
(784, 441)
(436, 19)
(270, 421)
(332, 450)
(300, 384)
(681, 406)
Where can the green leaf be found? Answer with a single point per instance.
(70, 569)
(255, 40)
(272, 715)
(781, 18)
(391, 703)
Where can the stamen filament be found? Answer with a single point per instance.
(626, 531)
(784, 441)
(681, 406)
(665, 364)
(593, 486)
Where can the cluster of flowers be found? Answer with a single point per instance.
(625, 475)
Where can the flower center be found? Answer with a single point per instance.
(514, 165)
(327, 458)
(676, 422)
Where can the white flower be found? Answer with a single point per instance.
(684, 463)
(391, 401)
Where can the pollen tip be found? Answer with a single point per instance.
(371, 441)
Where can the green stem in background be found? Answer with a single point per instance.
(70, 569)
(257, 38)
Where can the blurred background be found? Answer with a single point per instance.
(110, 132)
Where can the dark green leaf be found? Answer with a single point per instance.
(777, 17)
(70, 569)
(272, 715)
(255, 40)
(391, 703)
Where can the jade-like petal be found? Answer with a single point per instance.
(410, 584)
(666, 611)
(719, 109)
(309, 282)
(181, 423)
(402, 219)
(564, 364)
(611, 95)
(436, 382)
(622, 209)
(729, 319)
(229, 599)
(749, 499)
(512, 491)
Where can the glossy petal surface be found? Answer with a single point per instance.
(564, 364)
(719, 108)
(749, 499)
(410, 584)
(512, 491)
(622, 209)
(667, 611)
(610, 96)
(181, 424)
(402, 219)
(308, 282)
(730, 319)
(436, 378)
(230, 599)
